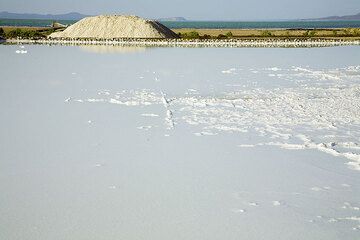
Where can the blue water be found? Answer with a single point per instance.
(31, 22)
(279, 24)
(208, 24)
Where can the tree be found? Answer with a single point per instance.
(229, 34)
(2, 32)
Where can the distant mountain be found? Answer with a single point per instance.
(171, 19)
(67, 16)
(338, 18)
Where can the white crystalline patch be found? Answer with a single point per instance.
(144, 127)
(95, 100)
(205, 134)
(229, 71)
(127, 103)
(288, 146)
(169, 121)
(149, 115)
(254, 204)
(309, 115)
(107, 93)
(316, 189)
(353, 218)
(350, 206)
(350, 145)
(276, 203)
(238, 210)
(21, 51)
(275, 69)
(354, 165)
(357, 228)
(319, 189)
(246, 145)
(192, 90)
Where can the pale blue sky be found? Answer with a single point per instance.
(192, 9)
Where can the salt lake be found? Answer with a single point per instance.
(109, 142)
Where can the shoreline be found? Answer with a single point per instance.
(222, 43)
(239, 32)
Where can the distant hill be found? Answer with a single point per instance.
(171, 19)
(338, 18)
(67, 16)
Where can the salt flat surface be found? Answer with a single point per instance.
(169, 143)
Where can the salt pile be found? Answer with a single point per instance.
(115, 26)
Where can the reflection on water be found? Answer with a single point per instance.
(111, 49)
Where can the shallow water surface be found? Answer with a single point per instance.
(102, 142)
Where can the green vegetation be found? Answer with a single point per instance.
(206, 36)
(269, 33)
(20, 33)
(356, 32)
(37, 33)
(196, 35)
(309, 33)
(347, 32)
(2, 32)
(312, 33)
(221, 36)
(47, 32)
(266, 33)
(190, 35)
(229, 34)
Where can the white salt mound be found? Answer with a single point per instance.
(115, 26)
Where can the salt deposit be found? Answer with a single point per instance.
(115, 26)
(323, 103)
(191, 43)
(274, 142)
